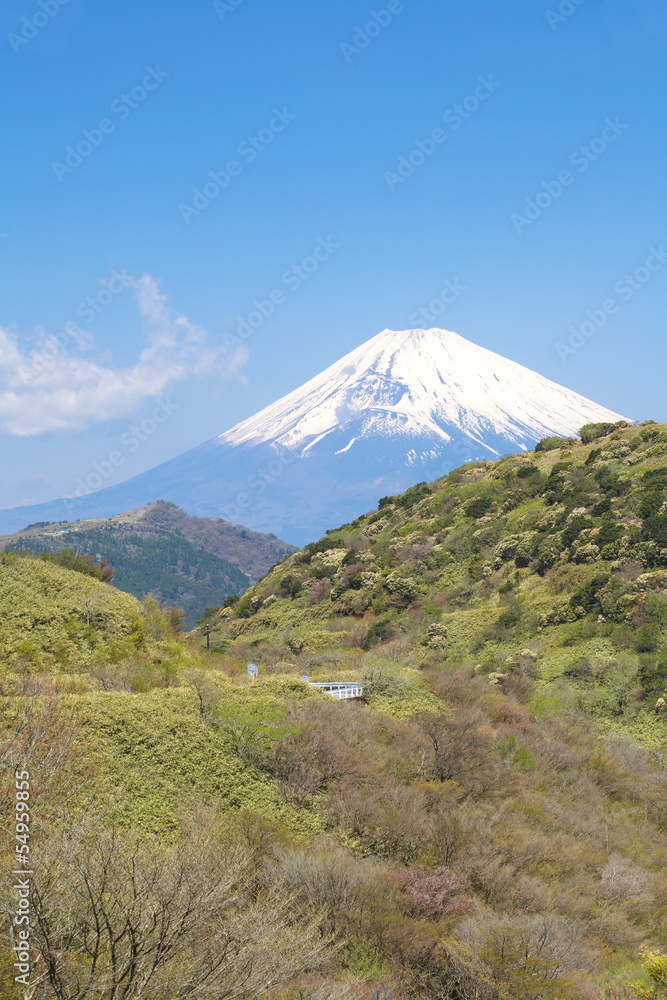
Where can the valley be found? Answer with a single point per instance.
(489, 821)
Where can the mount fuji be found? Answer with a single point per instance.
(404, 407)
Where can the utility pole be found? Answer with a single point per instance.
(208, 638)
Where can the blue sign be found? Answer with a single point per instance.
(304, 677)
(253, 670)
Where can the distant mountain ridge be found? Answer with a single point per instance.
(162, 551)
(404, 407)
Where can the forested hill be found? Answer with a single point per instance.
(162, 551)
(562, 550)
(250, 551)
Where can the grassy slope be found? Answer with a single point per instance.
(155, 756)
(54, 617)
(174, 571)
(492, 557)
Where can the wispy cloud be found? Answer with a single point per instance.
(71, 392)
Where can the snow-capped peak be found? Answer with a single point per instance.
(419, 384)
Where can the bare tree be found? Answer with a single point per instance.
(459, 749)
(534, 958)
(208, 694)
(41, 733)
(121, 919)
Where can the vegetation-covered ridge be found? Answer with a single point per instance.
(560, 552)
(160, 550)
(78, 629)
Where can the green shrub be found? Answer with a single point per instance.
(610, 482)
(550, 443)
(381, 631)
(603, 507)
(479, 507)
(651, 502)
(587, 597)
(527, 472)
(591, 432)
(574, 529)
(647, 637)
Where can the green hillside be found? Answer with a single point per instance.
(183, 561)
(163, 563)
(53, 617)
(252, 552)
(489, 823)
(562, 550)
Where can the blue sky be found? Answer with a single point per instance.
(531, 145)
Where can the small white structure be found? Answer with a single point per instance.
(341, 690)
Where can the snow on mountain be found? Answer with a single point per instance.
(404, 407)
(419, 384)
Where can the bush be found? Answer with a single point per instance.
(324, 545)
(551, 443)
(413, 496)
(654, 965)
(380, 631)
(647, 638)
(591, 432)
(610, 482)
(404, 590)
(587, 597)
(650, 503)
(479, 507)
(574, 529)
(290, 587)
(69, 559)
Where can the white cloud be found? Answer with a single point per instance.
(51, 389)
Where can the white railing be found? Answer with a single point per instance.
(350, 692)
(342, 692)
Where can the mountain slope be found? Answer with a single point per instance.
(160, 550)
(404, 407)
(562, 551)
(418, 385)
(481, 825)
(250, 551)
(50, 615)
